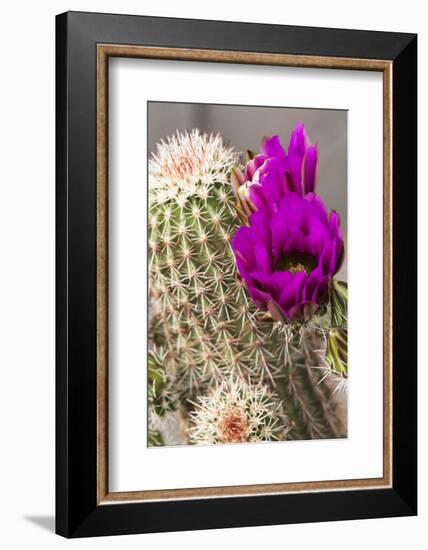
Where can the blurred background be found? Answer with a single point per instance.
(244, 126)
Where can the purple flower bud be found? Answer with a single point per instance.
(271, 174)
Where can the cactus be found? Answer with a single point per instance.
(312, 393)
(202, 324)
(235, 412)
(161, 396)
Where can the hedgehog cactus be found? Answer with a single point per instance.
(235, 412)
(202, 323)
(201, 313)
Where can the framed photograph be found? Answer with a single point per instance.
(236, 274)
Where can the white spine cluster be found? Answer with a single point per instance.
(236, 412)
(187, 164)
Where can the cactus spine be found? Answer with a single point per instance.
(202, 323)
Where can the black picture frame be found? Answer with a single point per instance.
(77, 512)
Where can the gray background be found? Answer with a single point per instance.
(243, 127)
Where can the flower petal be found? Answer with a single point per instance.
(334, 225)
(292, 292)
(260, 224)
(289, 228)
(340, 256)
(294, 173)
(312, 284)
(243, 248)
(310, 170)
(317, 206)
(273, 283)
(261, 297)
(299, 141)
(263, 262)
(271, 147)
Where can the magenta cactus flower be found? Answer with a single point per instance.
(288, 259)
(272, 173)
(290, 246)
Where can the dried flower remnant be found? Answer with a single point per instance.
(236, 412)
